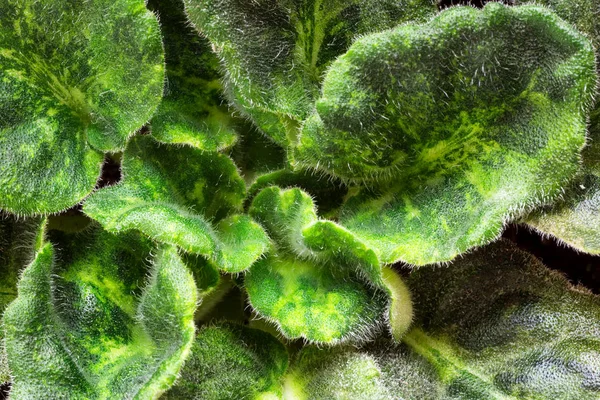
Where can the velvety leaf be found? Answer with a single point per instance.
(171, 193)
(232, 362)
(77, 78)
(463, 123)
(326, 191)
(320, 283)
(19, 241)
(575, 219)
(495, 325)
(306, 300)
(86, 326)
(193, 110)
(275, 51)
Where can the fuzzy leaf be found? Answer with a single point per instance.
(77, 78)
(171, 193)
(275, 51)
(463, 123)
(321, 282)
(193, 110)
(19, 241)
(496, 325)
(232, 362)
(87, 327)
(575, 219)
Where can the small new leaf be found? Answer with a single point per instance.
(460, 124)
(172, 194)
(77, 78)
(87, 327)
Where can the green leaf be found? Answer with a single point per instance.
(326, 191)
(86, 326)
(193, 110)
(462, 124)
(496, 325)
(19, 241)
(77, 79)
(320, 283)
(575, 219)
(232, 362)
(171, 193)
(275, 52)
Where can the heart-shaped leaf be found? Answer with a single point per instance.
(85, 326)
(495, 325)
(232, 362)
(463, 123)
(193, 110)
(275, 52)
(320, 282)
(171, 193)
(77, 78)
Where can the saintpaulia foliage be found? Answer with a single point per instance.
(278, 159)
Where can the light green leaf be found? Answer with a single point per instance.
(320, 283)
(276, 51)
(232, 362)
(77, 78)
(495, 325)
(19, 241)
(172, 193)
(193, 110)
(463, 124)
(575, 219)
(86, 326)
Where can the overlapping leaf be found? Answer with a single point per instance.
(496, 325)
(193, 110)
(77, 78)
(19, 240)
(184, 197)
(232, 362)
(462, 123)
(575, 219)
(95, 322)
(320, 282)
(276, 51)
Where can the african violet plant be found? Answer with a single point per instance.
(298, 181)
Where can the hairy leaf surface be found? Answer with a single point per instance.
(275, 51)
(19, 241)
(461, 123)
(320, 282)
(575, 219)
(232, 362)
(86, 326)
(193, 110)
(77, 78)
(495, 325)
(184, 197)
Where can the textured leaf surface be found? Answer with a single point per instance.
(85, 326)
(321, 283)
(275, 51)
(76, 79)
(464, 123)
(495, 325)
(193, 110)
(18, 242)
(232, 362)
(173, 194)
(575, 220)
